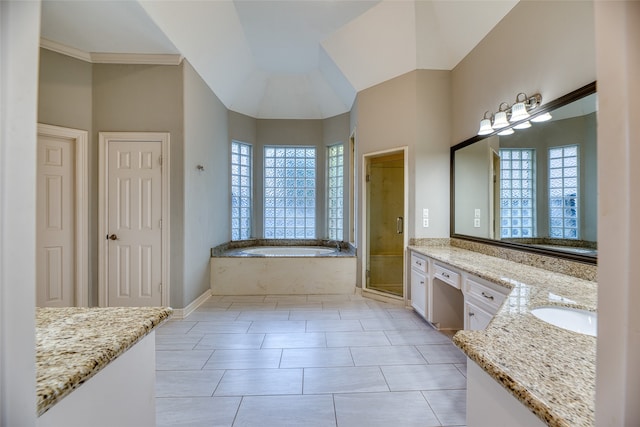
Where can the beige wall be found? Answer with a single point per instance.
(99, 98)
(540, 46)
(242, 128)
(146, 98)
(411, 110)
(65, 98)
(429, 176)
(65, 91)
(473, 180)
(207, 192)
(618, 57)
(19, 35)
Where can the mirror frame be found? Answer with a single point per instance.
(550, 106)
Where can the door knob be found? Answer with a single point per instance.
(112, 237)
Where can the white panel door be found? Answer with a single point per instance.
(55, 219)
(134, 254)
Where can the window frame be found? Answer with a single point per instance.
(335, 232)
(249, 179)
(532, 181)
(287, 205)
(567, 202)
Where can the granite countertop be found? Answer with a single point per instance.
(549, 369)
(73, 344)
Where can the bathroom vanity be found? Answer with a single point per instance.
(96, 366)
(451, 298)
(521, 370)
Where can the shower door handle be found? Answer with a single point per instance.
(399, 225)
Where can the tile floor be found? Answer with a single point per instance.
(316, 360)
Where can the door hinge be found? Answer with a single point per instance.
(160, 287)
(160, 224)
(368, 178)
(160, 159)
(367, 273)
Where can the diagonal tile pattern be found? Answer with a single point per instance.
(306, 360)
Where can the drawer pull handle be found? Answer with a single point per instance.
(422, 282)
(445, 275)
(487, 296)
(471, 313)
(419, 263)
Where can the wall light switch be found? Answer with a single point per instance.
(425, 222)
(477, 213)
(425, 213)
(476, 223)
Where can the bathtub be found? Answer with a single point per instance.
(292, 268)
(289, 251)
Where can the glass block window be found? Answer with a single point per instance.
(517, 193)
(289, 192)
(240, 190)
(563, 192)
(335, 191)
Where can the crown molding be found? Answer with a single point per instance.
(65, 50)
(112, 58)
(136, 58)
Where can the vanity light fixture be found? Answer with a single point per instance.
(485, 125)
(541, 118)
(518, 112)
(500, 120)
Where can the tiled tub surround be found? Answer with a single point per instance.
(235, 272)
(73, 344)
(550, 370)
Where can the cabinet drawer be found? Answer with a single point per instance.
(418, 262)
(446, 275)
(476, 319)
(485, 293)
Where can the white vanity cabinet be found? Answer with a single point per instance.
(482, 300)
(418, 283)
(450, 297)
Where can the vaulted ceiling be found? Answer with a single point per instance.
(282, 59)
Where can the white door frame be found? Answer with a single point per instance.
(103, 207)
(81, 192)
(365, 213)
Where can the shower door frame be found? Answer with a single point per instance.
(366, 159)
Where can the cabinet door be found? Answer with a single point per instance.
(419, 292)
(475, 317)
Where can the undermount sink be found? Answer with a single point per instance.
(572, 319)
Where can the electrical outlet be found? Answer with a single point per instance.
(425, 213)
(425, 222)
(477, 213)
(476, 223)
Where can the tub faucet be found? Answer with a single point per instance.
(338, 247)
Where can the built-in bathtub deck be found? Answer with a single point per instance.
(237, 272)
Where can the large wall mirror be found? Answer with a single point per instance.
(536, 189)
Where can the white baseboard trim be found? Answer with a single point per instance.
(181, 313)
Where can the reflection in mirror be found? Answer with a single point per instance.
(536, 187)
